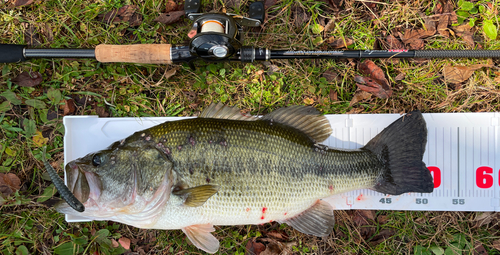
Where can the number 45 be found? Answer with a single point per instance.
(385, 200)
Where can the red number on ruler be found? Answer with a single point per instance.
(436, 174)
(484, 177)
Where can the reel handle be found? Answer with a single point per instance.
(136, 53)
(12, 53)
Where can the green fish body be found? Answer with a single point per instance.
(224, 168)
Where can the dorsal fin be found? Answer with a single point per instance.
(219, 111)
(304, 118)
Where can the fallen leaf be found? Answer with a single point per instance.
(413, 38)
(9, 183)
(299, 15)
(170, 6)
(232, 3)
(114, 243)
(464, 32)
(170, 73)
(360, 96)
(28, 79)
(496, 244)
(269, 3)
(400, 77)
(368, 214)
(254, 248)
(126, 13)
(381, 236)
(458, 74)
(68, 107)
(363, 221)
(483, 218)
(331, 75)
(125, 242)
(273, 247)
(278, 235)
(101, 111)
(479, 249)
(170, 17)
(308, 101)
(339, 43)
(31, 36)
(393, 43)
(330, 25)
(18, 3)
(375, 83)
(333, 95)
(39, 140)
(382, 219)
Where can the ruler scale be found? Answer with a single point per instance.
(462, 153)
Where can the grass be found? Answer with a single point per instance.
(28, 225)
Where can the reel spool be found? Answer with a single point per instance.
(216, 37)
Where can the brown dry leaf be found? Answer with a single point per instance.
(368, 214)
(278, 235)
(483, 218)
(382, 219)
(330, 25)
(114, 243)
(382, 236)
(447, 16)
(68, 107)
(101, 111)
(413, 38)
(360, 96)
(496, 244)
(375, 83)
(299, 15)
(330, 75)
(170, 6)
(363, 221)
(479, 249)
(458, 74)
(254, 248)
(18, 3)
(190, 95)
(31, 36)
(232, 3)
(464, 31)
(269, 3)
(333, 95)
(393, 43)
(9, 183)
(170, 17)
(126, 13)
(400, 77)
(28, 79)
(124, 242)
(339, 43)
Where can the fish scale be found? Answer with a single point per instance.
(279, 171)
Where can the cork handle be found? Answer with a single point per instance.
(137, 53)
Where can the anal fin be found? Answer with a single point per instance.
(200, 236)
(318, 220)
(197, 196)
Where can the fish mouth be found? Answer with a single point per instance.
(85, 186)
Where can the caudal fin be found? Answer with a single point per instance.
(401, 146)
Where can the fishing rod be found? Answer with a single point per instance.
(218, 37)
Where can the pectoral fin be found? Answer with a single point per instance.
(317, 220)
(200, 236)
(197, 196)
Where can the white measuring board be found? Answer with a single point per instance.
(462, 153)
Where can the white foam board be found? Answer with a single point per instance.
(463, 151)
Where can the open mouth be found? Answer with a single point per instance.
(84, 185)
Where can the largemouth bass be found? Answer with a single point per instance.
(224, 168)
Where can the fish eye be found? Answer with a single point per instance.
(96, 160)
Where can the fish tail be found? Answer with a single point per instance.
(401, 147)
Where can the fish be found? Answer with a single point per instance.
(226, 168)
